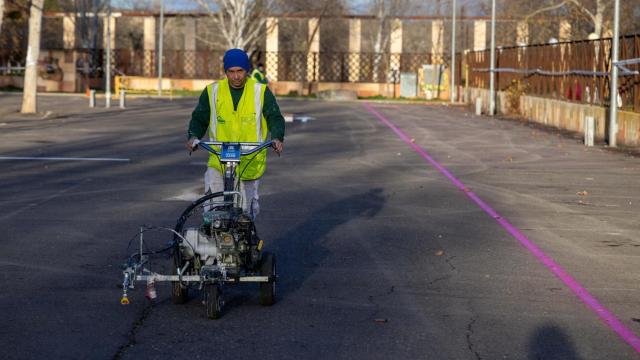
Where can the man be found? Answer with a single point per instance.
(259, 74)
(229, 109)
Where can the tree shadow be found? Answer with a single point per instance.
(300, 251)
(549, 342)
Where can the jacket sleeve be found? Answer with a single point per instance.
(200, 117)
(275, 120)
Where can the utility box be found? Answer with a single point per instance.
(432, 82)
(408, 85)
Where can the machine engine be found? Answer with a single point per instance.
(226, 243)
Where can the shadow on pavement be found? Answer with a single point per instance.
(549, 342)
(300, 250)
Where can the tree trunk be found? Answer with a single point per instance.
(1, 14)
(377, 46)
(598, 19)
(29, 98)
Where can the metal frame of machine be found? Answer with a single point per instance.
(223, 249)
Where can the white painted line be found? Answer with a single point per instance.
(304, 119)
(59, 158)
(192, 194)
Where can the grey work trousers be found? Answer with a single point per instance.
(214, 182)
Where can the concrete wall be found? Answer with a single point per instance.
(564, 115)
(361, 89)
(63, 80)
(628, 128)
(140, 83)
(278, 87)
(11, 81)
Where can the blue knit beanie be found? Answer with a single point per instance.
(236, 57)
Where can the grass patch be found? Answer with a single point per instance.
(185, 93)
(402, 98)
(11, 89)
(295, 94)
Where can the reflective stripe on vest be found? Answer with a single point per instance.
(245, 123)
(212, 89)
(257, 103)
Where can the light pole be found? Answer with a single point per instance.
(107, 85)
(161, 31)
(613, 92)
(492, 98)
(453, 52)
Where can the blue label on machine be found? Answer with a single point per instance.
(230, 152)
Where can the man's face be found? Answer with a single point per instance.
(237, 76)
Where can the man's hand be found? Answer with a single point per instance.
(277, 146)
(190, 142)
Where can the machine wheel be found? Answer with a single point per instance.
(179, 293)
(213, 300)
(268, 289)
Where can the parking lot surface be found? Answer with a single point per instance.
(401, 231)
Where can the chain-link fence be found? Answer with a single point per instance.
(577, 71)
(283, 66)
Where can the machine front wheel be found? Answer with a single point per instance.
(179, 293)
(213, 301)
(268, 289)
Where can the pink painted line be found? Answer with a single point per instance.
(605, 315)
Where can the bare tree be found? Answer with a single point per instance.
(591, 11)
(1, 14)
(319, 9)
(87, 20)
(595, 13)
(240, 22)
(29, 98)
(383, 11)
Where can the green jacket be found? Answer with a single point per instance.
(201, 114)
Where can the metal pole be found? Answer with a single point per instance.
(108, 69)
(161, 36)
(453, 52)
(613, 93)
(123, 100)
(492, 98)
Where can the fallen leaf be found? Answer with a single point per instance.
(439, 253)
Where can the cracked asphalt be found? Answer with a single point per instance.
(379, 255)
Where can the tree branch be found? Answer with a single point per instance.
(583, 9)
(548, 8)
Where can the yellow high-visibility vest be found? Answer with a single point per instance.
(244, 124)
(258, 76)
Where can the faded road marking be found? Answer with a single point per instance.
(60, 158)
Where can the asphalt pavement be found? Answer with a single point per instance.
(401, 232)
